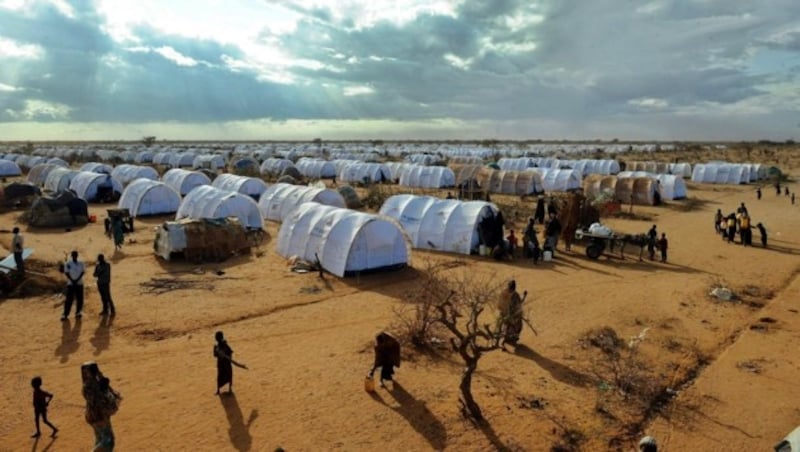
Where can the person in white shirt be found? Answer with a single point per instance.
(17, 245)
(74, 270)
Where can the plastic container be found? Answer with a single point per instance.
(369, 384)
(483, 250)
(92, 218)
(548, 256)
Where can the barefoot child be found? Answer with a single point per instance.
(41, 399)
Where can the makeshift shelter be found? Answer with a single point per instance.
(144, 197)
(184, 181)
(17, 193)
(648, 167)
(350, 196)
(428, 177)
(9, 169)
(249, 186)
(669, 186)
(281, 199)
(245, 165)
(439, 224)
(206, 201)
(59, 162)
(64, 210)
(316, 169)
(344, 241)
(202, 239)
(95, 187)
(503, 182)
(163, 158)
(636, 190)
(361, 172)
(96, 167)
(515, 164)
(465, 160)
(59, 179)
(125, 174)
(560, 180)
(38, 174)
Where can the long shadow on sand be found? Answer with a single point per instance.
(557, 370)
(102, 335)
(418, 416)
(35, 446)
(69, 339)
(238, 430)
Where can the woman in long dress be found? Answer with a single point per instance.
(387, 356)
(101, 404)
(224, 355)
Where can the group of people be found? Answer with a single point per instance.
(654, 242)
(102, 402)
(738, 223)
(74, 270)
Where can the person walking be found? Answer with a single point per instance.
(652, 238)
(102, 402)
(387, 356)
(786, 190)
(18, 246)
(758, 193)
(539, 213)
(102, 271)
(763, 231)
(745, 231)
(224, 354)
(74, 270)
(662, 246)
(511, 314)
(731, 228)
(118, 232)
(717, 220)
(551, 232)
(41, 399)
(792, 198)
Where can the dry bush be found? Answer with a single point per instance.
(376, 195)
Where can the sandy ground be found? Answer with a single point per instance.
(308, 345)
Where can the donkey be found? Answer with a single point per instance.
(640, 240)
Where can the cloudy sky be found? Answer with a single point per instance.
(415, 69)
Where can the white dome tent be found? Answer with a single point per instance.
(125, 174)
(91, 186)
(281, 199)
(515, 164)
(206, 201)
(209, 161)
(144, 157)
(358, 171)
(669, 186)
(58, 161)
(439, 224)
(59, 179)
(398, 168)
(681, 169)
(9, 169)
(274, 166)
(560, 180)
(316, 169)
(184, 181)
(182, 160)
(162, 158)
(148, 197)
(428, 177)
(346, 242)
(720, 173)
(249, 186)
(38, 174)
(95, 167)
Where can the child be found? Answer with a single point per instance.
(662, 246)
(41, 399)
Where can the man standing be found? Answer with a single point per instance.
(102, 271)
(17, 245)
(74, 270)
(652, 238)
(758, 193)
(662, 246)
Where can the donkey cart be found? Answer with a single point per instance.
(597, 243)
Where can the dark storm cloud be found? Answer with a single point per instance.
(571, 61)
